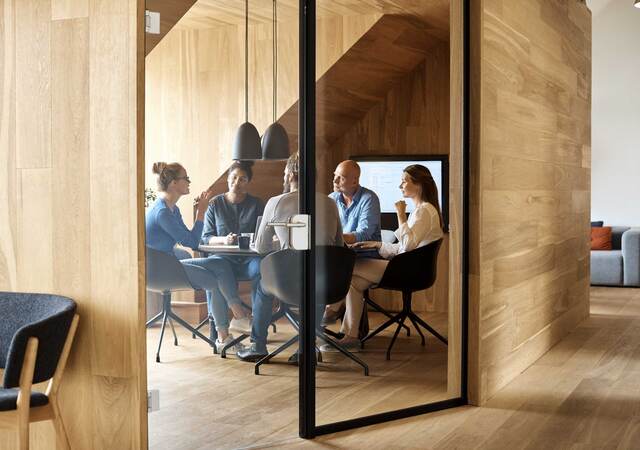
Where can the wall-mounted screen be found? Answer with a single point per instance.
(382, 174)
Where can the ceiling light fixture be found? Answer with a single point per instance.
(275, 141)
(246, 145)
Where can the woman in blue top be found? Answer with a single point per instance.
(165, 228)
(164, 224)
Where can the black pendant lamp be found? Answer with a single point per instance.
(637, 4)
(247, 142)
(275, 141)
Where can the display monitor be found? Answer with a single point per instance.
(382, 174)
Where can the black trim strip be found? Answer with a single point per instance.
(388, 416)
(306, 185)
(466, 183)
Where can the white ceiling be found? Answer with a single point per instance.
(597, 6)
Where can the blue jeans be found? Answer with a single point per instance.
(228, 271)
(205, 277)
(262, 311)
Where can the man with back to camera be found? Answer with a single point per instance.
(280, 209)
(359, 210)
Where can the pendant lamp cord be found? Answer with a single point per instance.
(246, 60)
(275, 59)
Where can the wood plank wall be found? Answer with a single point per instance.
(531, 183)
(195, 89)
(70, 216)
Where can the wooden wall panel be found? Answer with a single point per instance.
(9, 176)
(456, 198)
(69, 9)
(70, 110)
(531, 183)
(33, 63)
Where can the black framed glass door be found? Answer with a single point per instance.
(382, 103)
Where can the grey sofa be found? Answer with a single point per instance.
(621, 265)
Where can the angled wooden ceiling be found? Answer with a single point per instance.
(202, 14)
(171, 11)
(361, 78)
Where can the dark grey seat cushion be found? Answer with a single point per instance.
(606, 267)
(9, 399)
(24, 315)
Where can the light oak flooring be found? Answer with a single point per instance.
(583, 394)
(207, 402)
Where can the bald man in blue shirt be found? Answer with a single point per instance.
(358, 206)
(359, 210)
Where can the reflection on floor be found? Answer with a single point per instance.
(207, 402)
(583, 394)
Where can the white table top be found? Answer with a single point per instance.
(222, 249)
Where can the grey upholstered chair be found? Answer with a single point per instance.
(36, 333)
(334, 267)
(165, 275)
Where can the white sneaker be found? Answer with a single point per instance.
(352, 345)
(242, 326)
(235, 349)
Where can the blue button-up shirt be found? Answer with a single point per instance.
(362, 217)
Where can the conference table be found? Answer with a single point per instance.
(222, 249)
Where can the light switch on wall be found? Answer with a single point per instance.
(153, 400)
(152, 22)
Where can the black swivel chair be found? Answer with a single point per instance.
(36, 333)
(409, 272)
(333, 277)
(165, 274)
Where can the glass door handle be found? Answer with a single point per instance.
(299, 231)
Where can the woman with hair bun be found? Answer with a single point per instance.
(164, 224)
(165, 228)
(423, 226)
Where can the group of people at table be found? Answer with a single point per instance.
(348, 216)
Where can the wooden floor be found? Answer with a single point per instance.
(207, 402)
(583, 394)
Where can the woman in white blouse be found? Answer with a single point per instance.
(423, 226)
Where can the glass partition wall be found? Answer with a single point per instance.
(388, 305)
(220, 67)
(354, 272)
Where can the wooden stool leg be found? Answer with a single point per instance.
(61, 431)
(23, 432)
(24, 394)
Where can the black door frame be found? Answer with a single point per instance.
(307, 122)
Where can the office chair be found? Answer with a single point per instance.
(409, 272)
(36, 333)
(334, 267)
(165, 274)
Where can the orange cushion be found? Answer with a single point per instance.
(601, 238)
